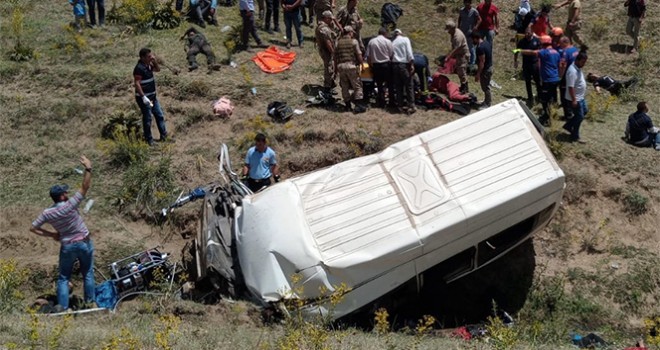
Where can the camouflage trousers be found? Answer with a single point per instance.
(349, 79)
(329, 73)
(194, 50)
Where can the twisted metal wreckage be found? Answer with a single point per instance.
(462, 195)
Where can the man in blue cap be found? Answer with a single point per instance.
(72, 233)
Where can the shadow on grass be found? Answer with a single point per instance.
(277, 42)
(620, 48)
(562, 137)
(468, 300)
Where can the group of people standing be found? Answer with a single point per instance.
(81, 13)
(293, 13)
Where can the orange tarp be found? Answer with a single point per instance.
(273, 60)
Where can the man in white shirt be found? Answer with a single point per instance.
(576, 87)
(379, 54)
(403, 66)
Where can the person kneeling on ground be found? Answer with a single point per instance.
(640, 130)
(196, 43)
(202, 11)
(613, 86)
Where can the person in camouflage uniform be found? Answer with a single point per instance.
(325, 41)
(196, 43)
(349, 16)
(321, 6)
(349, 58)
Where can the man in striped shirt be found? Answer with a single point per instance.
(72, 233)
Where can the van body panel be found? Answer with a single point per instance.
(377, 221)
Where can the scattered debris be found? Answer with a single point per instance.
(88, 206)
(589, 341)
(223, 107)
(279, 111)
(196, 193)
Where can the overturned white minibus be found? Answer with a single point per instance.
(462, 194)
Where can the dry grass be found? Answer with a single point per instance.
(53, 109)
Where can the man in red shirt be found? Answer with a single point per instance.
(489, 26)
(541, 23)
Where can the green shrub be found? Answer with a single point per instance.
(635, 204)
(147, 186)
(21, 51)
(12, 277)
(71, 42)
(135, 13)
(121, 121)
(125, 148)
(165, 17)
(500, 335)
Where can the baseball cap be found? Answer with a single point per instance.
(57, 190)
(450, 24)
(327, 14)
(398, 31)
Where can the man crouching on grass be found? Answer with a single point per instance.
(72, 233)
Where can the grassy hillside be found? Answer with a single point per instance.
(595, 268)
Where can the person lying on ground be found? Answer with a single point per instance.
(196, 43)
(441, 83)
(613, 86)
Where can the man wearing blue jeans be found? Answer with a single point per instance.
(145, 94)
(292, 18)
(72, 233)
(576, 87)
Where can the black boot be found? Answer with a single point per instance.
(360, 107)
(464, 89)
